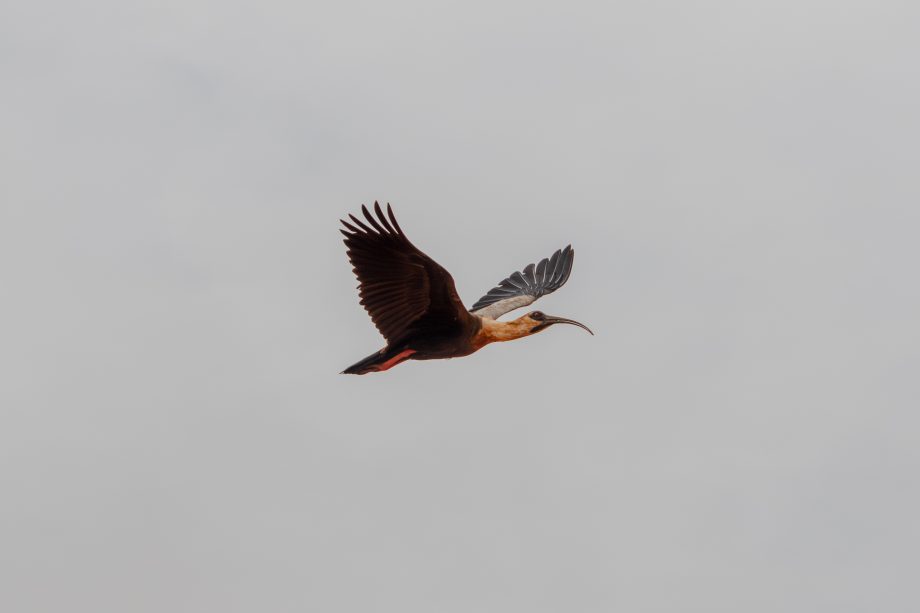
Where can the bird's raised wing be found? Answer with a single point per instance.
(401, 288)
(523, 288)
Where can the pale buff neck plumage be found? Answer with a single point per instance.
(494, 331)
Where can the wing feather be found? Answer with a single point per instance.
(401, 288)
(523, 288)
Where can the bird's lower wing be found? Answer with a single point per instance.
(524, 287)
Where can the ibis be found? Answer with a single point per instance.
(414, 304)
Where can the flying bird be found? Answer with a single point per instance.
(414, 304)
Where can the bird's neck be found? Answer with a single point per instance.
(494, 331)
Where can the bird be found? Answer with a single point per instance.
(413, 301)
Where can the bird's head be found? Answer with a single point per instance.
(537, 321)
(493, 331)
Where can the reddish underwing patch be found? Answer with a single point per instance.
(400, 357)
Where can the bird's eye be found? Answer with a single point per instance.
(537, 315)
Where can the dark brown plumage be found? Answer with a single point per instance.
(413, 301)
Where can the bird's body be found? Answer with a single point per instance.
(414, 303)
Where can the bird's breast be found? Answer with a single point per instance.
(493, 331)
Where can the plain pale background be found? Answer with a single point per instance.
(739, 180)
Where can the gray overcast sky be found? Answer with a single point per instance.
(739, 180)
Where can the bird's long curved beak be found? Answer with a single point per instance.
(562, 320)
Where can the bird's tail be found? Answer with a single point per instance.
(379, 361)
(366, 365)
